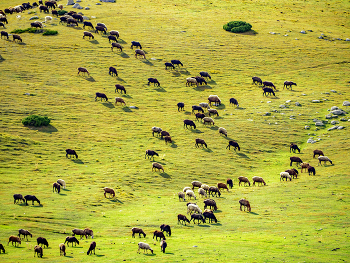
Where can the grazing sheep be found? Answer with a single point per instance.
(191, 81)
(294, 159)
(176, 62)
(180, 106)
(163, 245)
(293, 172)
(62, 249)
(2, 248)
(71, 152)
(2, 24)
(135, 44)
(114, 33)
(71, 240)
(121, 100)
(101, 95)
(166, 228)
(186, 188)
(150, 153)
(323, 159)
(205, 187)
(233, 144)
(99, 28)
(211, 203)
(229, 182)
(201, 80)
(212, 190)
(244, 180)
(164, 133)
(215, 99)
(245, 203)
(198, 217)
(257, 80)
(193, 208)
(311, 170)
(79, 232)
(16, 37)
(36, 25)
(156, 130)
(117, 45)
(268, 84)
(204, 105)
(63, 19)
(223, 186)
(73, 22)
(208, 120)
(196, 184)
(234, 102)
(113, 71)
(17, 197)
(158, 166)
(15, 240)
(154, 81)
(89, 232)
(159, 234)
(285, 175)
(108, 190)
(88, 34)
(89, 24)
(318, 152)
(197, 108)
(202, 192)
(144, 246)
(5, 34)
(210, 216)
(213, 111)
(48, 19)
(181, 195)
(200, 116)
(289, 83)
(43, 8)
(139, 52)
(200, 142)
(223, 131)
(169, 65)
(136, 230)
(78, 17)
(257, 179)
(268, 91)
(38, 250)
(190, 194)
(31, 198)
(167, 139)
(204, 74)
(60, 7)
(304, 166)
(25, 233)
(81, 69)
(189, 123)
(293, 147)
(56, 187)
(182, 218)
(91, 248)
(42, 240)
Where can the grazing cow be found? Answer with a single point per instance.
(135, 44)
(119, 87)
(190, 123)
(31, 198)
(100, 28)
(72, 21)
(17, 197)
(88, 34)
(234, 102)
(233, 144)
(16, 37)
(43, 241)
(84, 70)
(268, 91)
(101, 95)
(293, 147)
(38, 250)
(139, 52)
(167, 65)
(205, 74)
(180, 106)
(71, 152)
(289, 83)
(257, 80)
(113, 71)
(112, 38)
(89, 24)
(71, 240)
(294, 159)
(176, 62)
(200, 142)
(154, 81)
(92, 248)
(117, 45)
(56, 187)
(268, 84)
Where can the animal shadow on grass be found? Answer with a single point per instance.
(212, 82)
(184, 72)
(124, 55)
(127, 96)
(253, 213)
(65, 189)
(201, 88)
(149, 255)
(160, 89)
(228, 138)
(243, 155)
(115, 200)
(147, 62)
(240, 108)
(99, 255)
(94, 41)
(215, 128)
(47, 129)
(78, 161)
(221, 106)
(188, 113)
(207, 150)
(91, 79)
(173, 145)
(121, 41)
(120, 79)
(176, 74)
(165, 175)
(77, 28)
(216, 224)
(126, 109)
(203, 225)
(22, 44)
(108, 105)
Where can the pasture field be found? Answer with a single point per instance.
(303, 220)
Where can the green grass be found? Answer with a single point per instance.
(298, 221)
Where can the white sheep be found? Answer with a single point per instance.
(156, 130)
(145, 247)
(223, 131)
(208, 120)
(323, 159)
(285, 175)
(193, 208)
(205, 187)
(202, 192)
(62, 183)
(204, 105)
(191, 81)
(48, 19)
(215, 99)
(186, 188)
(190, 193)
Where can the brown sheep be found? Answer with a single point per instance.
(223, 186)
(257, 179)
(182, 218)
(14, 239)
(81, 69)
(201, 142)
(139, 231)
(293, 172)
(164, 133)
(229, 182)
(211, 203)
(244, 180)
(89, 232)
(56, 187)
(117, 45)
(156, 166)
(289, 83)
(25, 233)
(38, 250)
(245, 203)
(318, 152)
(213, 111)
(181, 195)
(295, 160)
(196, 184)
(304, 166)
(2, 248)
(110, 191)
(88, 34)
(159, 234)
(16, 37)
(140, 53)
(119, 100)
(92, 248)
(167, 139)
(79, 232)
(62, 249)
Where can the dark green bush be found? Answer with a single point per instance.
(35, 120)
(20, 31)
(49, 32)
(237, 26)
(62, 12)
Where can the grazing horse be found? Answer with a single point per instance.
(121, 88)
(71, 152)
(113, 71)
(56, 187)
(190, 123)
(110, 191)
(101, 95)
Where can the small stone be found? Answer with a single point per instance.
(98, 3)
(303, 32)
(348, 39)
(267, 114)
(316, 101)
(297, 104)
(319, 123)
(70, 2)
(333, 128)
(78, 1)
(334, 116)
(310, 141)
(76, 5)
(338, 112)
(334, 108)
(320, 37)
(132, 107)
(315, 120)
(344, 119)
(87, 8)
(334, 122)
(287, 101)
(346, 103)
(86, 18)
(282, 106)
(307, 127)
(332, 90)
(34, 17)
(80, 7)
(268, 102)
(303, 94)
(341, 127)
(28, 94)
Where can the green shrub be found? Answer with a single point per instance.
(20, 31)
(62, 12)
(49, 32)
(237, 26)
(35, 120)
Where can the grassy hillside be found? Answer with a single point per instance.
(305, 220)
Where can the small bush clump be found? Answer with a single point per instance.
(27, 30)
(35, 120)
(61, 12)
(237, 26)
(49, 32)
